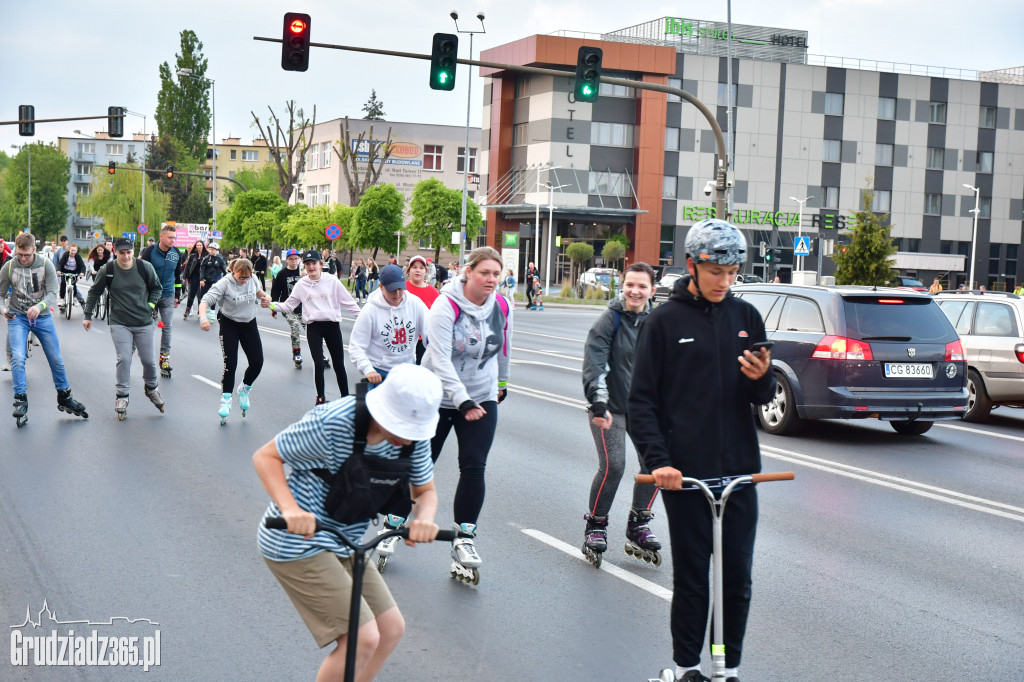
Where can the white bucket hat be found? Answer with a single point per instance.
(406, 403)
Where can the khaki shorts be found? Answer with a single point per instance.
(320, 587)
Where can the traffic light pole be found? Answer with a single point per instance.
(720, 209)
(58, 120)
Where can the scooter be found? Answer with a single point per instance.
(724, 486)
(358, 568)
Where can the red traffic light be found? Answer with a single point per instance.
(110, 167)
(297, 26)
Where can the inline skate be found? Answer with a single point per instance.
(595, 539)
(297, 358)
(165, 365)
(465, 560)
(387, 547)
(640, 541)
(243, 398)
(225, 408)
(121, 407)
(21, 409)
(66, 403)
(154, 397)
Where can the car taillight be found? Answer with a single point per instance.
(841, 348)
(955, 352)
(1019, 352)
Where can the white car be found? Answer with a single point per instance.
(600, 280)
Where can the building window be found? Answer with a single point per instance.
(460, 166)
(883, 154)
(611, 134)
(522, 88)
(311, 195)
(936, 156)
(671, 139)
(668, 187)
(987, 117)
(675, 83)
(84, 169)
(666, 245)
(887, 108)
(234, 155)
(834, 103)
(723, 100)
(312, 156)
(519, 134)
(250, 155)
(325, 194)
(115, 150)
(932, 204)
(936, 112)
(881, 201)
(830, 198)
(609, 184)
(984, 162)
(609, 90)
(325, 155)
(516, 181)
(86, 147)
(831, 150)
(432, 157)
(985, 207)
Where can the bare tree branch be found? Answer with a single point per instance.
(284, 145)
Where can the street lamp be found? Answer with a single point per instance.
(551, 229)
(187, 73)
(465, 166)
(29, 148)
(974, 235)
(536, 222)
(800, 229)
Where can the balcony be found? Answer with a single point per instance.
(81, 221)
(83, 178)
(85, 157)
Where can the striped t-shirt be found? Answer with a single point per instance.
(323, 440)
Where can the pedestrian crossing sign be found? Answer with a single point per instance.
(802, 246)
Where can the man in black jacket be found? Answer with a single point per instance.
(694, 379)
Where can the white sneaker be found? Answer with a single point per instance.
(7, 366)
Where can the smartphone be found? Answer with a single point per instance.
(767, 345)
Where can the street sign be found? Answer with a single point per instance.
(127, 235)
(142, 228)
(802, 246)
(217, 234)
(332, 232)
(132, 236)
(96, 235)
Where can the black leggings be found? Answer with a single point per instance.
(475, 440)
(193, 291)
(317, 334)
(231, 335)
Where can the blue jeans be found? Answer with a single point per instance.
(17, 332)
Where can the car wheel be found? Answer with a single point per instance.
(979, 405)
(779, 416)
(911, 428)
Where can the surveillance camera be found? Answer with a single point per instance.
(709, 187)
(480, 16)
(454, 15)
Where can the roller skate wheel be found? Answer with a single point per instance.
(223, 421)
(121, 416)
(381, 563)
(657, 559)
(476, 577)
(629, 549)
(21, 421)
(243, 412)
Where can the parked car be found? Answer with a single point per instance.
(858, 353)
(909, 283)
(598, 279)
(749, 279)
(991, 326)
(663, 288)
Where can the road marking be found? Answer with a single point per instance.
(900, 484)
(549, 336)
(206, 381)
(561, 400)
(545, 364)
(622, 574)
(984, 433)
(548, 353)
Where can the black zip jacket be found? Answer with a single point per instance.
(281, 287)
(608, 355)
(212, 268)
(689, 403)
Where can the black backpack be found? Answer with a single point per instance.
(365, 486)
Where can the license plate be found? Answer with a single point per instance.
(908, 370)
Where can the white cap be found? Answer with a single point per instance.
(406, 403)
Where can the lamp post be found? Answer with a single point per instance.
(551, 229)
(187, 73)
(29, 149)
(536, 222)
(799, 265)
(974, 234)
(465, 166)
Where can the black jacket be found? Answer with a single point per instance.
(212, 268)
(259, 263)
(79, 263)
(281, 287)
(608, 356)
(689, 403)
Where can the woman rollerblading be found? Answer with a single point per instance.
(465, 561)
(595, 541)
(21, 409)
(640, 541)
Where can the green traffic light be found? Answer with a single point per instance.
(587, 90)
(442, 77)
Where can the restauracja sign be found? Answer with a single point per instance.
(828, 221)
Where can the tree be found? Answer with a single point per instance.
(253, 179)
(374, 108)
(117, 199)
(305, 226)
(51, 172)
(867, 257)
(196, 208)
(366, 150)
(437, 212)
(376, 220)
(166, 151)
(288, 148)
(182, 105)
(579, 253)
(252, 217)
(4, 160)
(613, 251)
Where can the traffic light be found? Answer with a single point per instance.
(111, 167)
(764, 249)
(773, 255)
(26, 120)
(588, 73)
(115, 121)
(170, 171)
(295, 42)
(443, 55)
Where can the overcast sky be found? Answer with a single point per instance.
(81, 56)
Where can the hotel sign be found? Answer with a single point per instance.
(676, 26)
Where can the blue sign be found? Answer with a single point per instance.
(132, 236)
(217, 234)
(126, 235)
(802, 246)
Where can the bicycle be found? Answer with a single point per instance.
(724, 487)
(69, 293)
(358, 568)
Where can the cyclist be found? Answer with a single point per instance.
(237, 298)
(470, 333)
(70, 266)
(322, 299)
(28, 290)
(694, 379)
(280, 290)
(607, 371)
(166, 261)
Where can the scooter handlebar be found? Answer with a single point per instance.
(278, 523)
(755, 478)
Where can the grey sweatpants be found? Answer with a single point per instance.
(165, 306)
(611, 461)
(143, 339)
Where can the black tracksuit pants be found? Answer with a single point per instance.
(319, 333)
(689, 525)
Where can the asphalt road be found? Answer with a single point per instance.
(889, 557)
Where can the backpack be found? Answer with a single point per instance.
(365, 486)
